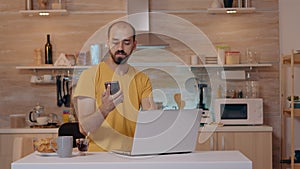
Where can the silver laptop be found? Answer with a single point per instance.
(165, 132)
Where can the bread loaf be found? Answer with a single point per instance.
(43, 145)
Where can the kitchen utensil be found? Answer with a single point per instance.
(82, 145)
(63, 86)
(59, 98)
(66, 97)
(191, 85)
(52, 119)
(64, 146)
(42, 120)
(31, 117)
(180, 103)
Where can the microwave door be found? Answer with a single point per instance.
(234, 112)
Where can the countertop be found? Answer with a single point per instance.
(28, 130)
(207, 128)
(205, 159)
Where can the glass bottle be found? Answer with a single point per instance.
(48, 51)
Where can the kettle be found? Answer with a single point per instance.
(34, 113)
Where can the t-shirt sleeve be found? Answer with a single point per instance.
(86, 84)
(146, 87)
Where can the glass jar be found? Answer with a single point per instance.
(232, 57)
(221, 53)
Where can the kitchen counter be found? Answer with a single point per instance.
(211, 128)
(205, 159)
(28, 130)
(207, 128)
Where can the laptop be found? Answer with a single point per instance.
(165, 132)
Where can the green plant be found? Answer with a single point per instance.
(295, 98)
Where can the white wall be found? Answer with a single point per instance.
(289, 27)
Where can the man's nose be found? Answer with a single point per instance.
(120, 45)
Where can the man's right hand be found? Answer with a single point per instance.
(109, 102)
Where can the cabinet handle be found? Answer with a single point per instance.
(211, 141)
(223, 143)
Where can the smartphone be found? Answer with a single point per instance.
(114, 87)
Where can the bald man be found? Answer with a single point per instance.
(110, 119)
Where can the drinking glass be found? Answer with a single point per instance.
(82, 145)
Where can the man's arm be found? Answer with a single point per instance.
(89, 117)
(148, 104)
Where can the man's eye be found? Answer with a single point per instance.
(115, 42)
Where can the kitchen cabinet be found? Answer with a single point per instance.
(290, 61)
(255, 142)
(8, 138)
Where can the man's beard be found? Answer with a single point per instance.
(119, 60)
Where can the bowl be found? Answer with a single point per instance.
(42, 120)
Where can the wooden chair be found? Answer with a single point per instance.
(70, 129)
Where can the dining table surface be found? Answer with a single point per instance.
(110, 160)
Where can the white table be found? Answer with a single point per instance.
(203, 160)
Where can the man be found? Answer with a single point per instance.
(110, 119)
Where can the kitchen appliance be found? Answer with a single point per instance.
(140, 19)
(195, 85)
(239, 111)
(36, 112)
(202, 95)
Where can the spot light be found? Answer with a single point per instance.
(231, 11)
(44, 13)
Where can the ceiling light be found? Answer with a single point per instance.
(44, 13)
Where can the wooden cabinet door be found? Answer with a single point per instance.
(207, 141)
(257, 146)
(7, 146)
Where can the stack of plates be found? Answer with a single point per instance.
(211, 60)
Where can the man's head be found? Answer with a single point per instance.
(121, 41)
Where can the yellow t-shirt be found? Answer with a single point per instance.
(117, 131)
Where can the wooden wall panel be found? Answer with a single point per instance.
(20, 35)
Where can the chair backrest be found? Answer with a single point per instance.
(70, 129)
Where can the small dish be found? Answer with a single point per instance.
(46, 154)
(41, 124)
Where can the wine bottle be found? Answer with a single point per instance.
(48, 51)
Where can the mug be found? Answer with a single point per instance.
(64, 146)
(42, 120)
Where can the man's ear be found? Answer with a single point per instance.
(134, 44)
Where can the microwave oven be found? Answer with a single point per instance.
(248, 111)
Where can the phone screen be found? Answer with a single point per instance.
(114, 87)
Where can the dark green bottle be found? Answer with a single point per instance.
(48, 51)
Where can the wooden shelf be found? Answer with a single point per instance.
(288, 112)
(296, 165)
(230, 10)
(287, 59)
(49, 12)
(226, 66)
(50, 67)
